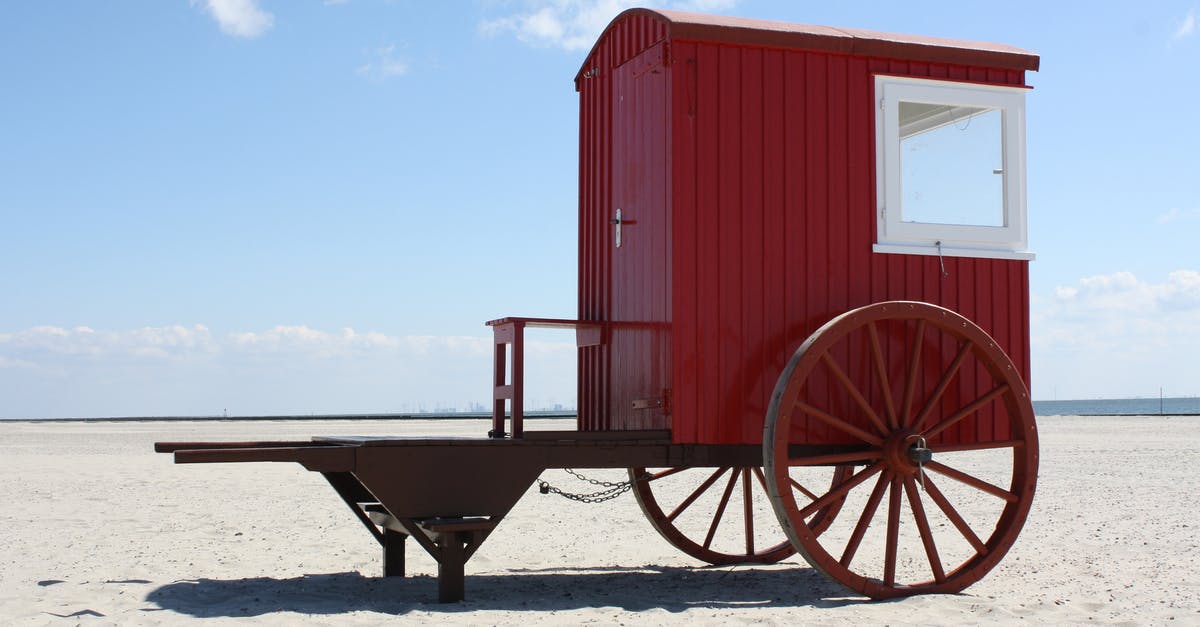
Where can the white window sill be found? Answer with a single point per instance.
(953, 251)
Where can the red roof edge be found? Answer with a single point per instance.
(746, 31)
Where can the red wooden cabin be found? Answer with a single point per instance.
(728, 207)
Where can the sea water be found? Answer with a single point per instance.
(1119, 407)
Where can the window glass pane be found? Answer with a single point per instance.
(951, 160)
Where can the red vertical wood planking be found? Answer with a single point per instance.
(775, 349)
(860, 185)
(729, 243)
(816, 208)
(753, 401)
(1000, 332)
(664, 239)
(839, 214)
(983, 316)
(859, 159)
(707, 211)
(795, 187)
(621, 132)
(684, 241)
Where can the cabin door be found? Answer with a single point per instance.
(640, 353)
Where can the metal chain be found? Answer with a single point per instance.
(612, 489)
(603, 484)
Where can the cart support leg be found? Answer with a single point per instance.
(353, 492)
(451, 567)
(451, 541)
(393, 553)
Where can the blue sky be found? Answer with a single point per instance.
(269, 206)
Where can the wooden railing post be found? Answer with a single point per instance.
(518, 380)
(506, 334)
(502, 334)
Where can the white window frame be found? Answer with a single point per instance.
(893, 235)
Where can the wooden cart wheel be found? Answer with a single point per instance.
(723, 515)
(948, 451)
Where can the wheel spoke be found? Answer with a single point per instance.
(705, 527)
(864, 520)
(840, 375)
(716, 521)
(762, 480)
(696, 493)
(893, 533)
(841, 489)
(966, 411)
(918, 512)
(914, 363)
(974, 482)
(803, 490)
(837, 458)
(839, 424)
(667, 473)
(956, 519)
(881, 373)
(748, 511)
(942, 384)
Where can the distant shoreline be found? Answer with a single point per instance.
(1164, 406)
(1098, 407)
(308, 417)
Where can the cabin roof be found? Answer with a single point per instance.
(849, 41)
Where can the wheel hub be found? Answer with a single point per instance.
(905, 451)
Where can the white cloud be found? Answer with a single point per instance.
(240, 18)
(383, 64)
(1118, 335)
(50, 371)
(349, 343)
(575, 24)
(44, 343)
(1187, 27)
(1123, 292)
(41, 341)
(1178, 215)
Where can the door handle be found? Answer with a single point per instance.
(619, 221)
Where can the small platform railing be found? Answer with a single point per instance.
(509, 385)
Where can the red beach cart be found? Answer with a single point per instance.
(803, 314)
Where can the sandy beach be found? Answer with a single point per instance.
(98, 529)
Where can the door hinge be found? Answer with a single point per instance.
(662, 402)
(647, 403)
